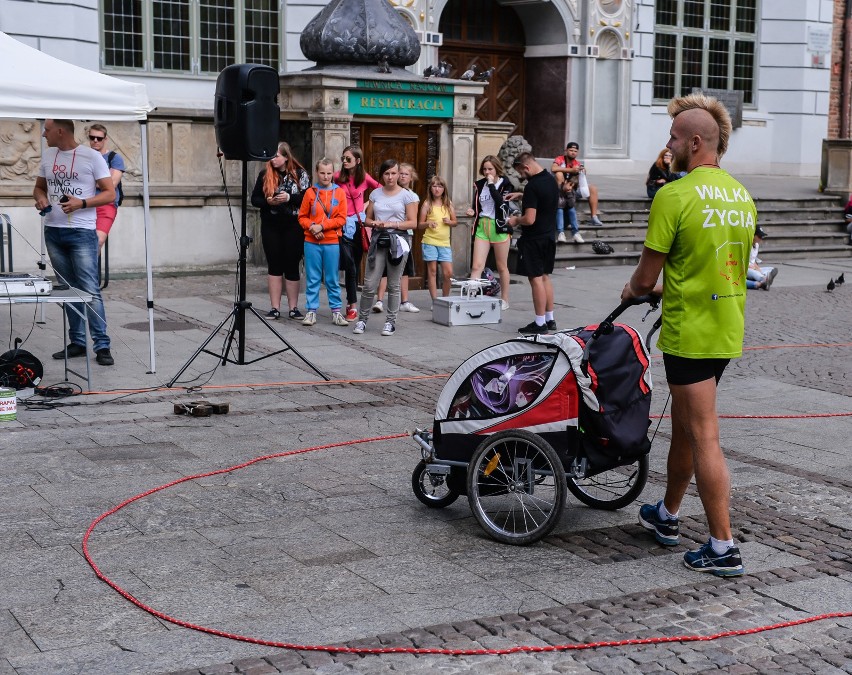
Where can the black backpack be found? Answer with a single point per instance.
(118, 191)
(616, 433)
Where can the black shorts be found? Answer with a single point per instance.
(536, 256)
(284, 246)
(680, 370)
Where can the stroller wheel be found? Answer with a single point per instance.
(431, 489)
(613, 489)
(516, 487)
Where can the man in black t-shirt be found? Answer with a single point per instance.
(537, 245)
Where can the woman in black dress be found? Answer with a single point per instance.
(278, 194)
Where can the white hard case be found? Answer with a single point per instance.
(471, 308)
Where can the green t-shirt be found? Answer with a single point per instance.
(705, 224)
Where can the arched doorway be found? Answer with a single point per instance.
(485, 34)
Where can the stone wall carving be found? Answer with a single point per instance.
(20, 150)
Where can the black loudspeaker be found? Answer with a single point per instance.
(246, 113)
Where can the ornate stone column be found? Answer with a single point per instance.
(461, 178)
(329, 135)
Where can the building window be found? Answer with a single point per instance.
(189, 36)
(709, 44)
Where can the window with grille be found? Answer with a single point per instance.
(189, 36)
(710, 44)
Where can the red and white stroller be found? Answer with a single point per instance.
(520, 422)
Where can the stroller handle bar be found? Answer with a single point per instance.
(606, 326)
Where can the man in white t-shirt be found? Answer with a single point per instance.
(74, 179)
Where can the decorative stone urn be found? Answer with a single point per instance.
(360, 32)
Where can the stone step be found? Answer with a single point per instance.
(798, 227)
(627, 250)
(818, 217)
(798, 240)
(830, 202)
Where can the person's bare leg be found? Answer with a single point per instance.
(539, 294)
(480, 255)
(548, 294)
(432, 278)
(694, 413)
(403, 288)
(276, 286)
(383, 286)
(292, 288)
(679, 470)
(102, 237)
(446, 278)
(593, 200)
(501, 260)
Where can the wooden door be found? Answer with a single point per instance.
(483, 34)
(414, 144)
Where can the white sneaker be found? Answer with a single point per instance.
(577, 239)
(378, 307)
(408, 306)
(338, 319)
(504, 305)
(388, 329)
(310, 319)
(360, 327)
(561, 238)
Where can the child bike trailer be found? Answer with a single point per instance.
(520, 423)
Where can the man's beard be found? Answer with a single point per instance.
(680, 162)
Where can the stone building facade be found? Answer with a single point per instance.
(595, 71)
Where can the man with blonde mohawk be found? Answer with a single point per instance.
(699, 236)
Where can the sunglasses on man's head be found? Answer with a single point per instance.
(97, 138)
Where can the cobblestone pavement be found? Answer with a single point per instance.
(331, 547)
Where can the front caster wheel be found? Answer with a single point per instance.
(431, 489)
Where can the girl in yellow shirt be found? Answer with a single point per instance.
(437, 215)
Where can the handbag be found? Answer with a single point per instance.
(583, 186)
(506, 210)
(365, 234)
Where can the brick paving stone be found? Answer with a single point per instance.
(287, 661)
(221, 669)
(741, 669)
(263, 668)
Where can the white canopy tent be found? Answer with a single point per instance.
(36, 85)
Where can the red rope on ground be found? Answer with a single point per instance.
(392, 650)
(803, 416)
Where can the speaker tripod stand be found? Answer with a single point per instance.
(237, 315)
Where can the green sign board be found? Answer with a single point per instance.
(416, 87)
(400, 105)
(401, 99)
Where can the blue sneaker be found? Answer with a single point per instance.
(666, 532)
(705, 559)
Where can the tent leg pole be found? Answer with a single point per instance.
(146, 206)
